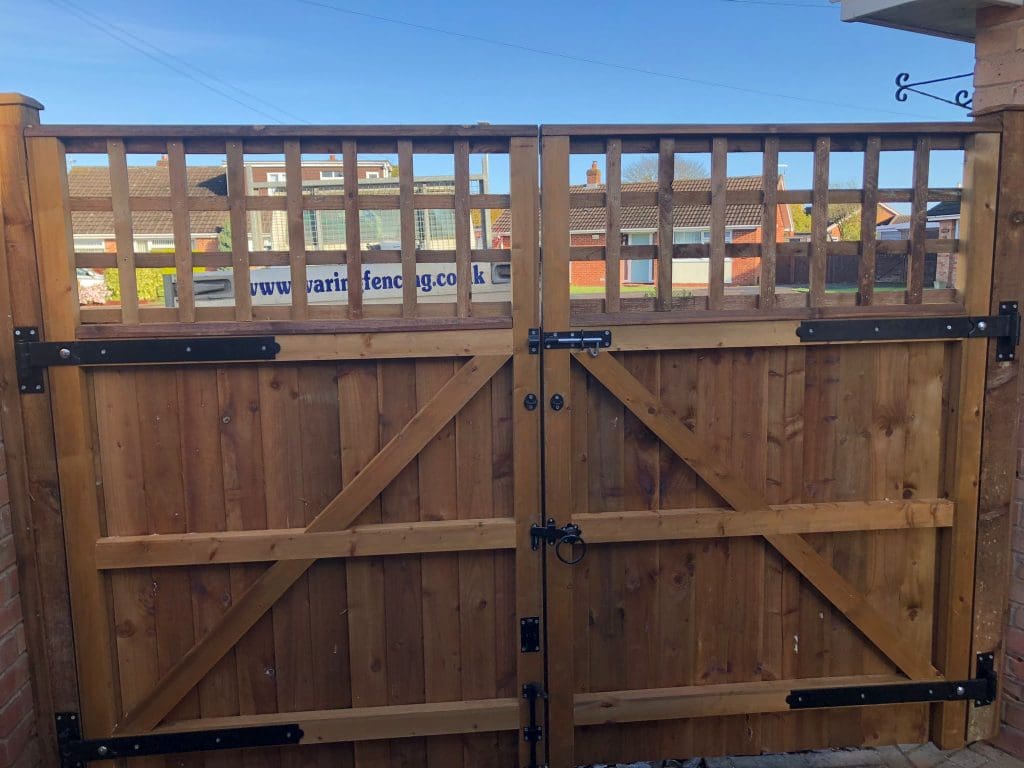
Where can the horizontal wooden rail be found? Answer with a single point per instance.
(114, 552)
(687, 198)
(158, 550)
(722, 334)
(821, 517)
(143, 260)
(371, 723)
(413, 327)
(754, 250)
(319, 202)
(768, 129)
(433, 316)
(690, 701)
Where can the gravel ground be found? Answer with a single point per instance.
(904, 756)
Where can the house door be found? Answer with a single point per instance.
(641, 270)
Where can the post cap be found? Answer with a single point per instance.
(19, 100)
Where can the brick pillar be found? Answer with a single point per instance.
(18, 743)
(999, 60)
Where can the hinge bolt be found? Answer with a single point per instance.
(102, 750)
(982, 325)
(64, 353)
(960, 690)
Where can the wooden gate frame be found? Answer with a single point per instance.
(971, 359)
(981, 584)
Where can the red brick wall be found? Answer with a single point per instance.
(18, 746)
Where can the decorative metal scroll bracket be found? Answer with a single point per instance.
(962, 99)
(75, 751)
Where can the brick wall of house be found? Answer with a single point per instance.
(18, 745)
(1011, 736)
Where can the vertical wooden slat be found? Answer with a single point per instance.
(995, 516)
(716, 264)
(613, 239)
(557, 446)
(73, 433)
(239, 230)
(463, 255)
(407, 215)
(353, 238)
(769, 222)
(819, 221)
(36, 520)
(124, 234)
(869, 222)
(666, 171)
(526, 469)
(918, 221)
(964, 447)
(178, 176)
(296, 230)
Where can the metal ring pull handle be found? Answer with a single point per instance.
(568, 535)
(572, 538)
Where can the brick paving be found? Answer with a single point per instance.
(978, 755)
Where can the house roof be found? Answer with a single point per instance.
(646, 217)
(147, 181)
(899, 219)
(947, 208)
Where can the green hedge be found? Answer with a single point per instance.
(149, 283)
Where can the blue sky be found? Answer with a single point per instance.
(323, 66)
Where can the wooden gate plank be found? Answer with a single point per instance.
(800, 554)
(72, 431)
(342, 510)
(721, 522)
(558, 445)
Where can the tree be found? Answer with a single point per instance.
(224, 237)
(646, 169)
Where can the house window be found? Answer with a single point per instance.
(332, 175)
(373, 174)
(89, 245)
(276, 178)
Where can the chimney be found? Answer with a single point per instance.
(593, 175)
(332, 157)
(162, 162)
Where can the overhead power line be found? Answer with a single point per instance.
(783, 3)
(147, 48)
(599, 62)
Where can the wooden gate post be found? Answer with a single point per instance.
(28, 441)
(999, 438)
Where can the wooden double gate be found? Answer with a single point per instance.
(333, 547)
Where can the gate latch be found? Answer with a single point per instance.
(569, 535)
(592, 341)
(981, 688)
(32, 355)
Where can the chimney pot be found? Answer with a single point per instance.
(593, 175)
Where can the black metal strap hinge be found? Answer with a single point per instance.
(33, 355)
(1004, 327)
(75, 751)
(589, 340)
(982, 689)
(534, 732)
